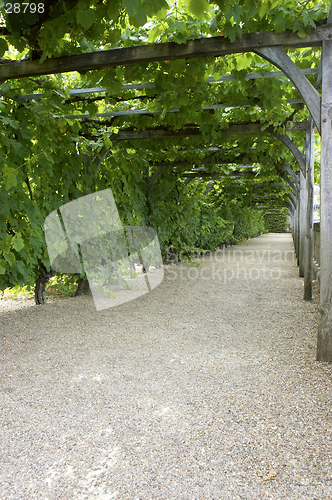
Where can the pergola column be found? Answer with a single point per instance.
(324, 341)
(302, 216)
(308, 231)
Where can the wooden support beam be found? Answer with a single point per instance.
(290, 206)
(299, 157)
(308, 233)
(233, 129)
(254, 186)
(289, 182)
(293, 199)
(302, 218)
(324, 344)
(292, 174)
(296, 233)
(202, 47)
(236, 173)
(278, 57)
(201, 163)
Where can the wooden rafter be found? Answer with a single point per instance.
(202, 47)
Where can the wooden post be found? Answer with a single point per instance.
(324, 341)
(296, 232)
(292, 215)
(302, 215)
(293, 229)
(308, 233)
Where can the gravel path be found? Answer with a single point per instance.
(206, 388)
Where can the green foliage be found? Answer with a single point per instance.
(62, 284)
(18, 292)
(276, 223)
(246, 221)
(49, 156)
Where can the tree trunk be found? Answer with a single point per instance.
(41, 285)
(83, 287)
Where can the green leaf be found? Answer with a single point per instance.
(86, 18)
(180, 38)
(155, 32)
(135, 11)
(2, 270)
(9, 257)
(264, 9)
(113, 9)
(243, 62)
(92, 109)
(197, 7)
(301, 30)
(6, 86)
(230, 32)
(83, 4)
(17, 243)
(110, 81)
(10, 175)
(62, 122)
(265, 126)
(279, 23)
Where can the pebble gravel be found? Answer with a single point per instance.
(205, 388)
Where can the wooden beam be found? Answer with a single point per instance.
(296, 232)
(233, 129)
(291, 173)
(324, 344)
(289, 182)
(290, 206)
(293, 199)
(254, 186)
(293, 149)
(278, 57)
(235, 173)
(199, 164)
(201, 47)
(308, 234)
(302, 198)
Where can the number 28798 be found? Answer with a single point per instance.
(18, 8)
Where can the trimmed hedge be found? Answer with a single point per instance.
(276, 223)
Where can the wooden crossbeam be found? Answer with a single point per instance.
(199, 164)
(255, 185)
(151, 85)
(235, 173)
(202, 47)
(233, 129)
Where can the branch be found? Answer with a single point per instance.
(29, 187)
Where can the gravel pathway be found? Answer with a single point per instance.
(205, 388)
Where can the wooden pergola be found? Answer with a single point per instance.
(270, 46)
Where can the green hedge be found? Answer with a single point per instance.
(276, 223)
